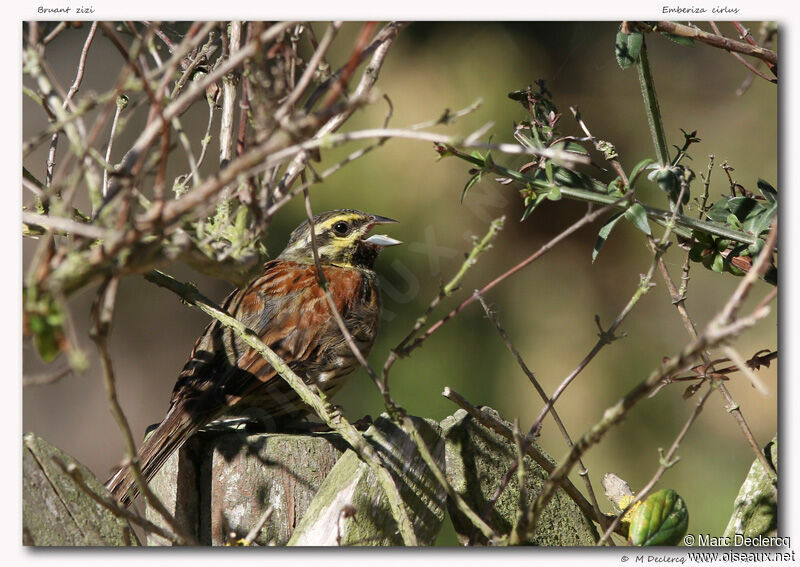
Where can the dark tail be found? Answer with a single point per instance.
(154, 452)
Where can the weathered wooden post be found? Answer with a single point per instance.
(55, 511)
(222, 481)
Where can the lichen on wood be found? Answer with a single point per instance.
(56, 511)
(755, 510)
(477, 461)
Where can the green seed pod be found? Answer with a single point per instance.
(756, 247)
(722, 244)
(718, 263)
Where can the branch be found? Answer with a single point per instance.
(711, 39)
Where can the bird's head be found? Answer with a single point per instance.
(341, 238)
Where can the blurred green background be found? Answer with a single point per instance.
(548, 308)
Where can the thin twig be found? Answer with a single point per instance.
(719, 330)
(753, 69)
(46, 378)
(308, 74)
(383, 41)
(102, 313)
(583, 471)
(256, 529)
(480, 246)
(69, 226)
(122, 103)
(586, 219)
(51, 157)
(229, 82)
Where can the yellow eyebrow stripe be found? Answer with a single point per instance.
(331, 221)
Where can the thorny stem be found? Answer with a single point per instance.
(480, 246)
(730, 308)
(586, 219)
(752, 68)
(766, 55)
(713, 336)
(607, 336)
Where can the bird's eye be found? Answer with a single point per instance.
(341, 228)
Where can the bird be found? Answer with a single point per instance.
(287, 309)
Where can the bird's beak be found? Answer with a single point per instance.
(377, 219)
(381, 240)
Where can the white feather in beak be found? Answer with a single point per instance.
(382, 240)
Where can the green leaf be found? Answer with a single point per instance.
(667, 180)
(472, 181)
(602, 236)
(539, 198)
(718, 263)
(554, 194)
(719, 211)
(757, 224)
(662, 519)
(703, 237)
(637, 171)
(576, 148)
(733, 221)
(627, 48)
(696, 252)
(44, 320)
(679, 39)
(548, 170)
(638, 217)
(769, 192)
(745, 207)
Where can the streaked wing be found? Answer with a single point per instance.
(288, 310)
